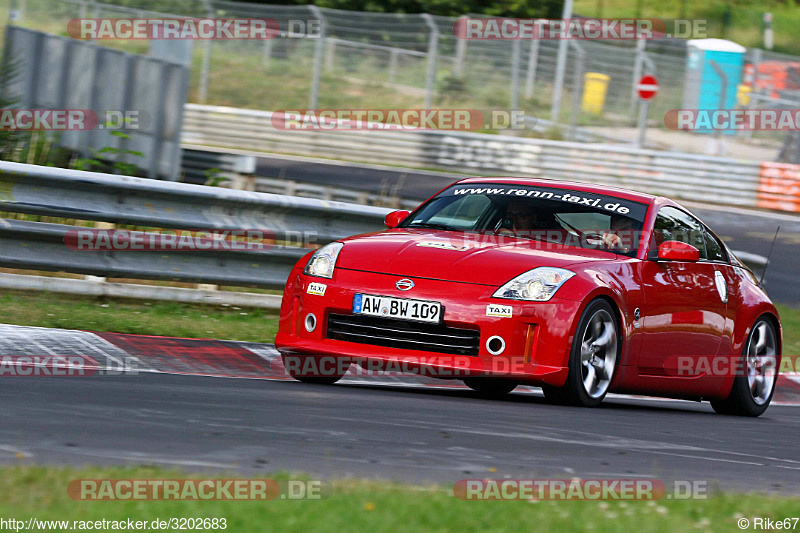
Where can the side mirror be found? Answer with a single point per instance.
(678, 251)
(395, 217)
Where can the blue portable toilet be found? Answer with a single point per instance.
(702, 86)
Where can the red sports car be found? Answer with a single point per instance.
(578, 289)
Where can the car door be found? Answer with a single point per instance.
(684, 312)
(718, 255)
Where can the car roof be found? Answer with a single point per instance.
(565, 184)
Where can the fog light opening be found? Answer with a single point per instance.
(495, 345)
(310, 322)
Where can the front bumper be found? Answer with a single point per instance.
(537, 336)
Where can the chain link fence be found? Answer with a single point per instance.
(359, 60)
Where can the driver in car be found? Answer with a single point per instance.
(523, 219)
(620, 234)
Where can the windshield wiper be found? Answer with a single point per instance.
(535, 237)
(432, 225)
(570, 226)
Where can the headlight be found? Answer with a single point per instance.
(323, 261)
(539, 284)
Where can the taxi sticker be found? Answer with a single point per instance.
(317, 288)
(500, 311)
(442, 246)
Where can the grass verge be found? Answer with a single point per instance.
(739, 21)
(356, 505)
(790, 320)
(52, 310)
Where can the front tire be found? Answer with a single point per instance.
(490, 387)
(309, 369)
(752, 389)
(593, 359)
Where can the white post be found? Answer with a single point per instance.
(266, 55)
(637, 72)
(330, 52)
(393, 64)
(461, 52)
(769, 36)
(202, 93)
(515, 53)
(643, 109)
(577, 91)
(319, 51)
(748, 134)
(14, 15)
(561, 63)
(102, 226)
(433, 43)
(533, 63)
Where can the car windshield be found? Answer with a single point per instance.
(546, 214)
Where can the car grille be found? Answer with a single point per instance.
(401, 334)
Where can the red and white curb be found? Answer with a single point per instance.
(216, 358)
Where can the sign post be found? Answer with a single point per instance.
(647, 88)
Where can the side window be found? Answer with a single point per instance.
(675, 225)
(714, 248)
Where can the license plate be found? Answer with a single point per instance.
(400, 308)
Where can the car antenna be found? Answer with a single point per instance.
(769, 256)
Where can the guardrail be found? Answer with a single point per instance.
(198, 166)
(74, 194)
(675, 174)
(324, 192)
(88, 196)
(42, 246)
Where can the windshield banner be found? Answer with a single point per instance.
(609, 204)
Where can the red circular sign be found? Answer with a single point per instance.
(647, 87)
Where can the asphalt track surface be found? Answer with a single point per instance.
(746, 230)
(257, 420)
(411, 434)
(398, 429)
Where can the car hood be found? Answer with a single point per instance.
(454, 256)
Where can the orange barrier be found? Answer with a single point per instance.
(779, 187)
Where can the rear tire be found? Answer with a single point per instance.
(318, 380)
(304, 368)
(754, 386)
(596, 348)
(490, 387)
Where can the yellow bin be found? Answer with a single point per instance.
(743, 95)
(595, 86)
